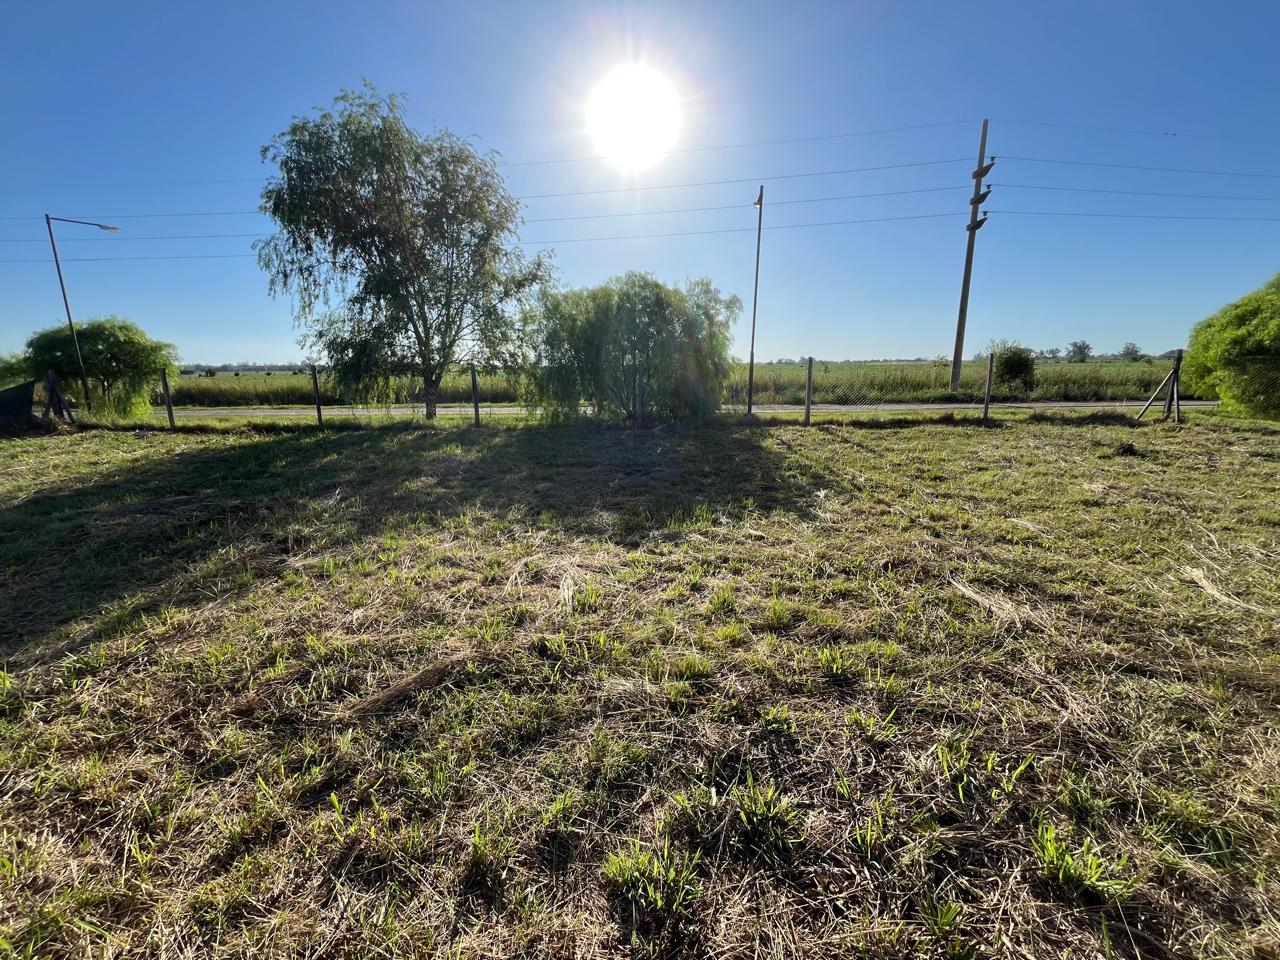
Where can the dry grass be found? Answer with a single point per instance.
(917, 690)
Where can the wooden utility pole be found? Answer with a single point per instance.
(755, 299)
(975, 224)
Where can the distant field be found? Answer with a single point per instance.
(898, 691)
(931, 382)
(286, 388)
(833, 382)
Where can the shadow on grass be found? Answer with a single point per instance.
(204, 523)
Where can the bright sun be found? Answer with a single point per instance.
(633, 116)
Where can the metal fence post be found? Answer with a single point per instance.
(315, 389)
(986, 402)
(808, 392)
(475, 395)
(168, 400)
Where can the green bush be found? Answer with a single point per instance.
(632, 349)
(1235, 354)
(120, 361)
(1015, 367)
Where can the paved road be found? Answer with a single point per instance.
(462, 410)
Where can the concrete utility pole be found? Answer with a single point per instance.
(975, 224)
(755, 299)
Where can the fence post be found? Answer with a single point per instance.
(1176, 387)
(808, 392)
(986, 400)
(1173, 386)
(475, 395)
(168, 400)
(1147, 406)
(315, 389)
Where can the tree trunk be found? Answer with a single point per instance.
(430, 391)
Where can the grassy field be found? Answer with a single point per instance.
(900, 689)
(775, 383)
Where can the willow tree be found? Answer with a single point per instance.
(396, 247)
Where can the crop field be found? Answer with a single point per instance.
(776, 383)
(867, 383)
(890, 689)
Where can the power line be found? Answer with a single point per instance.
(1132, 216)
(716, 183)
(756, 143)
(640, 236)
(148, 216)
(518, 163)
(779, 226)
(189, 236)
(734, 206)
(588, 216)
(1132, 193)
(589, 193)
(192, 256)
(1134, 166)
(1144, 133)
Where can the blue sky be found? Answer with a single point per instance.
(102, 98)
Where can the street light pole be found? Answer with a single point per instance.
(755, 299)
(48, 222)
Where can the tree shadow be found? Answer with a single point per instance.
(208, 522)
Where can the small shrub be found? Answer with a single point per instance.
(1015, 366)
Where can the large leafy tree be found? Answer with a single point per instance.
(1235, 354)
(631, 349)
(120, 360)
(397, 247)
(1079, 351)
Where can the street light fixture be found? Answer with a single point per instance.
(48, 222)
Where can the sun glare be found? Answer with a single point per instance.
(633, 115)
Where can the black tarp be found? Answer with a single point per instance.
(15, 403)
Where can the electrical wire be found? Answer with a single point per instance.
(756, 143)
(189, 236)
(1134, 166)
(778, 226)
(1131, 216)
(1131, 193)
(523, 163)
(717, 183)
(589, 216)
(1144, 133)
(522, 243)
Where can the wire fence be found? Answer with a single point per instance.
(859, 385)
(800, 387)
